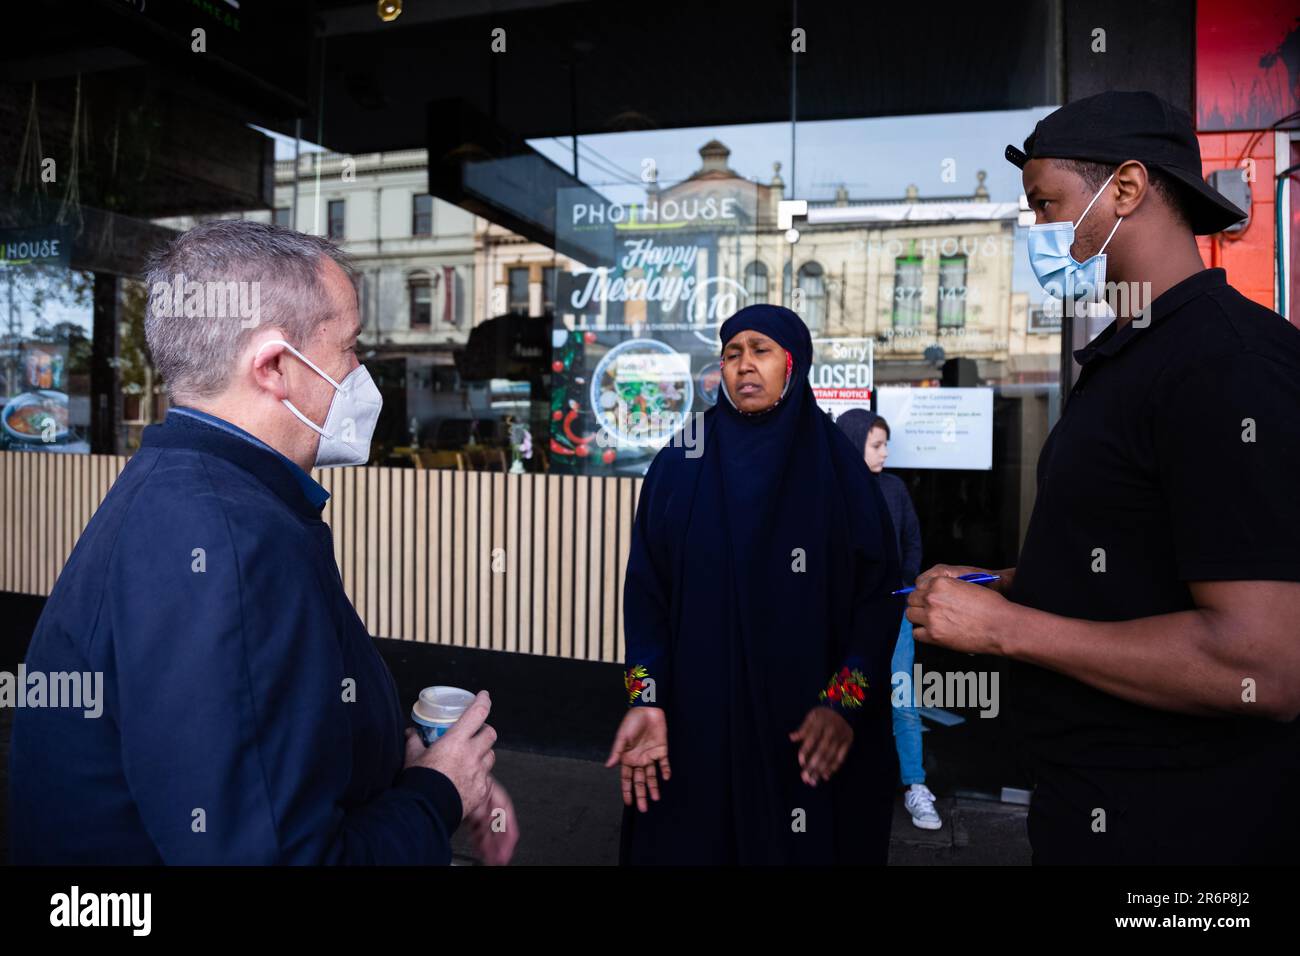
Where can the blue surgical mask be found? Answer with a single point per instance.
(1057, 271)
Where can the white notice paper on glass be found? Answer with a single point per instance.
(938, 427)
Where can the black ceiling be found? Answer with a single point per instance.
(431, 79)
(359, 84)
(601, 66)
(568, 66)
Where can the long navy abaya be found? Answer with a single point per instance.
(759, 579)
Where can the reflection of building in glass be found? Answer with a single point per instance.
(912, 272)
(927, 278)
(512, 274)
(429, 273)
(415, 254)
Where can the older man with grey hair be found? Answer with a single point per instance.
(247, 716)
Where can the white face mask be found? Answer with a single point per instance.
(350, 422)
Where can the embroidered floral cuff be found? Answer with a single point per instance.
(847, 689)
(639, 684)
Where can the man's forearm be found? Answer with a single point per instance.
(1180, 662)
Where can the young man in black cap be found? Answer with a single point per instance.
(1153, 619)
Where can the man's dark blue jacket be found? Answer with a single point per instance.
(206, 592)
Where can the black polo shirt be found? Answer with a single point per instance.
(1151, 471)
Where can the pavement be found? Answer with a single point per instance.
(570, 812)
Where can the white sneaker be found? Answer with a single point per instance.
(920, 804)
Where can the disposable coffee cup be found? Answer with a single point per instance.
(437, 708)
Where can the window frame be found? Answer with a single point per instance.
(910, 259)
(341, 205)
(948, 322)
(550, 288)
(511, 271)
(815, 322)
(415, 282)
(757, 269)
(416, 215)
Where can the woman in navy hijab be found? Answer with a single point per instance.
(759, 628)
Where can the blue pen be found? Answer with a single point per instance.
(977, 578)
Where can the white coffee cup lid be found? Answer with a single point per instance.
(442, 705)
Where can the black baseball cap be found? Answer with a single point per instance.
(1114, 127)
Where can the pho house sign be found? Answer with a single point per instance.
(37, 246)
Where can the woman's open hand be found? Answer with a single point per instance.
(825, 739)
(640, 744)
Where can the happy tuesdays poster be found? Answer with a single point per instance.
(635, 349)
